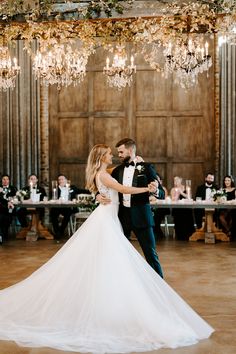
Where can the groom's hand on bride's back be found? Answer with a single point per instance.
(102, 199)
(153, 187)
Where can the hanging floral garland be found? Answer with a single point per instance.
(177, 19)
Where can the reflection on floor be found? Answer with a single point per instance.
(203, 274)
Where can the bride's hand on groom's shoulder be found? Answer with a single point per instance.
(102, 199)
(139, 159)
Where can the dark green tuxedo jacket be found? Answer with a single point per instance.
(141, 213)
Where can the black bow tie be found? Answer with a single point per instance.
(127, 164)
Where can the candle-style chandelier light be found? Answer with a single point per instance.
(186, 59)
(8, 69)
(61, 65)
(119, 74)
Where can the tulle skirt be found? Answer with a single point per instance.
(98, 295)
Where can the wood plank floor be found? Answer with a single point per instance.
(203, 274)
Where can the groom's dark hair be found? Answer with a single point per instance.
(127, 142)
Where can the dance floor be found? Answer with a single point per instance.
(203, 274)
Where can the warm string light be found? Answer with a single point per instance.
(8, 69)
(61, 66)
(119, 74)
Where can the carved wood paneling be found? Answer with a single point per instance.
(73, 137)
(173, 128)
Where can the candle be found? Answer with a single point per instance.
(107, 63)
(206, 48)
(190, 45)
(31, 185)
(54, 196)
(132, 61)
(188, 192)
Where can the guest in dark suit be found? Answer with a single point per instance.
(204, 192)
(65, 192)
(32, 185)
(134, 210)
(7, 191)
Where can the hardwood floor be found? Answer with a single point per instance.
(203, 274)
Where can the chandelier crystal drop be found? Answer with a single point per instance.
(61, 66)
(8, 69)
(186, 60)
(151, 55)
(119, 74)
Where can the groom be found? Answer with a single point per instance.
(134, 210)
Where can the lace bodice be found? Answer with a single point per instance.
(108, 192)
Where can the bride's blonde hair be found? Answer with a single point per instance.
(93, 165)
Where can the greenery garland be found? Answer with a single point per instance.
(177, 20)
(44, 9)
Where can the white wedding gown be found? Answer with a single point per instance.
(98, 295)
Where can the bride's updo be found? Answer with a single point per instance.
(93, 165)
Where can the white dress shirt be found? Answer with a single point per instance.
(64, 193)
(208, 193)
(127, 181)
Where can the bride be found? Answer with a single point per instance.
(98, 294)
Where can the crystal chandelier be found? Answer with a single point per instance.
(8, 69)
(61, 66)
(186, 60)
(119, 74)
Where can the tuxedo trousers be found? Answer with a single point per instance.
(145, 236)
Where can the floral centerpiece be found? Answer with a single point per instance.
(86, 202)
(219, 195)
(22, 194)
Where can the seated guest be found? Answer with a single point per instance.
(183, 218)
(204, 192)
(226, 215)
(6, 188)
(7, 191)
(32, 185)
(65, 192)
(5, 217)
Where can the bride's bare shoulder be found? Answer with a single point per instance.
(104, 175)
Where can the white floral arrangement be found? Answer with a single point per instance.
(218, 194)
(21, 194)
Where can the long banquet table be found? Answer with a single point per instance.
(36, 229)
(209, 232)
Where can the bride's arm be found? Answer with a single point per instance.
(109, 182)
